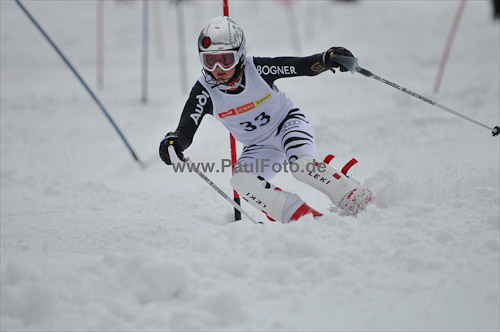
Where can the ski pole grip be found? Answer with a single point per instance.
(173, 155)
(495, 131)
(350, 62)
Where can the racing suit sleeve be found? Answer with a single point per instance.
(271, 69)
(197, 106)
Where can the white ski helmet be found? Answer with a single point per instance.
(222, 43)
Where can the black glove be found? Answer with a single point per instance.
(330, 64)
(170, 139)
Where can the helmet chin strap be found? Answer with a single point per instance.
(232, 84)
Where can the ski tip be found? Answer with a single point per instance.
(303, 210)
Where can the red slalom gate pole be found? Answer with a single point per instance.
(449, 42)
(237, 213)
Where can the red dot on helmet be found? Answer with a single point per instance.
(206, 42)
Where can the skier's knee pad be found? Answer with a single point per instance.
(324, 178)
(276, 204)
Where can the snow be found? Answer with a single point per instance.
(91, 241)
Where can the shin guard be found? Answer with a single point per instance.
(342, 191)
(326, 179)
(277, 204)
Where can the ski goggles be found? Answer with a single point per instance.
(225, 60)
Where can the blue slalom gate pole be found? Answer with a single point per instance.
(134, 155)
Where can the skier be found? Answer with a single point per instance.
(240, 92)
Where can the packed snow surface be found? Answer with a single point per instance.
(92, 241)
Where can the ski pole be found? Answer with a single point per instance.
(351, 63)
(175, 159)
